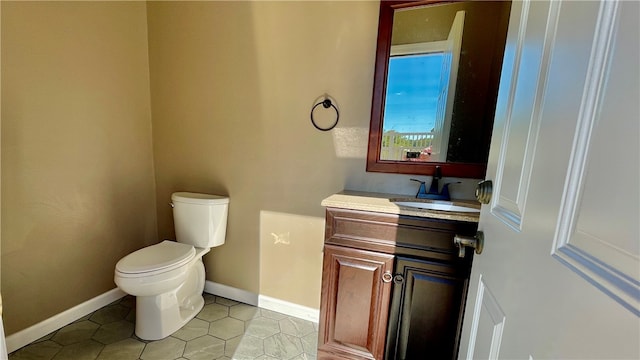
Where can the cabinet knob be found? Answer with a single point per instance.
(398, 279)
(387, 277)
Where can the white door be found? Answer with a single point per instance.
(559, 275)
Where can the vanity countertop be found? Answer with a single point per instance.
(378, 202)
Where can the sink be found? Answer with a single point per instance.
(439, 205)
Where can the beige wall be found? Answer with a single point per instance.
(77, 171)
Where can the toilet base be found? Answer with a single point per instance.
(160, 316)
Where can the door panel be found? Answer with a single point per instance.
(598, 244)
(559, 276)
(487, 326)
(517, 115)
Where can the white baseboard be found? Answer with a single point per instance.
(230, 292)
(262, 301)
(43, 328)
(288, 308)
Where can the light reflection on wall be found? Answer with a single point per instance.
(350, 142)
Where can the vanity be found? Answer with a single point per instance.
(396, 268)
(393, 282)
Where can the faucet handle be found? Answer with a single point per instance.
(422, 190)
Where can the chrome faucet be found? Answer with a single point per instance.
(433, 192)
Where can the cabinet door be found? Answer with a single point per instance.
(426, 309)
(355, 303)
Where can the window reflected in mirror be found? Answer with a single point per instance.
(421, 82)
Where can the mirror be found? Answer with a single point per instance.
(435, 86)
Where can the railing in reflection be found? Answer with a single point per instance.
(412, 146)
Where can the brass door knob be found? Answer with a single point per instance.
(484, 191)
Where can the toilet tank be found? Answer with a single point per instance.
(200, 219)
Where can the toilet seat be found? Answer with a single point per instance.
(155, 259)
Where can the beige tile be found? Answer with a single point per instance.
(212, 312)
(305, 356)
(44, 350)
(131, 316)
(244, 312)
(166, 349)
(209, 299)
(225, 301)
(310, 343)
(296, 327)
(272, 314)
(128, 349)
(193, 329)
(86, 317)
(110, 314)
(128, 301)
(261, 327)
(85, 350)
(244, 347)
(204, 348)
(75, 332)
(226, 328)
(114, 332)
(282, 346)
(46, 337)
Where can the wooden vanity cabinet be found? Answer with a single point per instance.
(393, 286)
(354, 317)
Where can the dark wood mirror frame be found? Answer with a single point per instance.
(374, 164)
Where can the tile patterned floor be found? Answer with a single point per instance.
(224, 329)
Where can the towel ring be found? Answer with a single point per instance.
(326, 104)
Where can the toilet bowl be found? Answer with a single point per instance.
(168, 278)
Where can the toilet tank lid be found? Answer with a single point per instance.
(197, 198)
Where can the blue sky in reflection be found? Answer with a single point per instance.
(412, 92)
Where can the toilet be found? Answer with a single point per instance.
(168, 278)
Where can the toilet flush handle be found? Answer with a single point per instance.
(171, 204)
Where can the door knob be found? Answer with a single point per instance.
(476, 242)
(484, 191)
